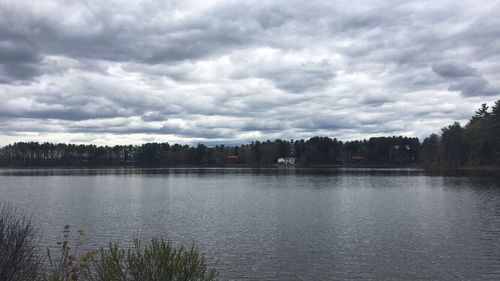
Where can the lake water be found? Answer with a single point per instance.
(281, 224)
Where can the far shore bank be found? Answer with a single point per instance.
(463, 168)
(431, 170)
(277, 166)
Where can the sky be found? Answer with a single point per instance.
(229, 72)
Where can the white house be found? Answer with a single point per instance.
(287, 161)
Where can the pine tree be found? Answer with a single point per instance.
(495, 130)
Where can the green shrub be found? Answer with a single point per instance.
(19, 256)
(156, 260)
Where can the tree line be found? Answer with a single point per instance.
(477, 143)
(316, 150)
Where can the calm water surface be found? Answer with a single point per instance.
(272, 224)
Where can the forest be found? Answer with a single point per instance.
(475, 144)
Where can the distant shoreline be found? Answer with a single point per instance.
(215, 166)
(464, 168)
(431, 169)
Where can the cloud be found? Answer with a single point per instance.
(229, 72)
(454, 70)
(465, 79)
(17, 61)
(474, 86)
(301, 78)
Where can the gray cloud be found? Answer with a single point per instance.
(454, 70)
(229, 72)
(18, 61)
(465, 79)
(474, 86)
(301, 78)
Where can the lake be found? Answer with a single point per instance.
(281, 224)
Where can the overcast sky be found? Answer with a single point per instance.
(118, 72)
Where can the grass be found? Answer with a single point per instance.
(154, 260)
(157, 260)
(20, 259)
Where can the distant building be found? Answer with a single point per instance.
(232, 159)
(357, 159)
(286, 161)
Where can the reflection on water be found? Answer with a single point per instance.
(195, 170)
(243, 170)
(282, 224)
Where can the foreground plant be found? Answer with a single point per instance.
(19, 256)
(157, 260)
(68, 265)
